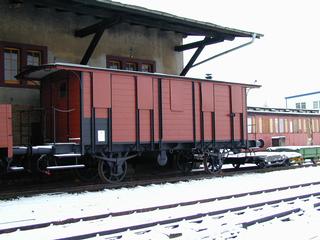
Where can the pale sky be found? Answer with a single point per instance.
(285, 61)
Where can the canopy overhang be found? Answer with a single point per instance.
(109, 13)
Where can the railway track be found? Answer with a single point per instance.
(70, 185)
(228, 214)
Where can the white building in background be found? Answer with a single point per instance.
(304, 101)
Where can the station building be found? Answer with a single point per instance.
(96, 33)
(304, 101)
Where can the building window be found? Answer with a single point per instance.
(304, 125)
(260, 124)
(33, 58)
(113, 64)
(130, 64)
(146, 67)
(290, 126)
(276, 125)
(315, 104)
(301, 105)
(299, 125)
(271, 125)
(14, 58)
(281, 125)
(286, 129)
(11, 65)
(295, 126)
(249, 125)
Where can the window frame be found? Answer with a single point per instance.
(18, 55)
(249, 125)
(23, 49)
(124, 60)
(315, 104)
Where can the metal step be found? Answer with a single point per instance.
(66, 167)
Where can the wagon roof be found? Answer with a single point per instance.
(106, 9)
(41, 72)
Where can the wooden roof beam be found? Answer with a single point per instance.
(167, 26)
(200, 43)
(106, 23)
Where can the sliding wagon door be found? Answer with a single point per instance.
(123, 109)
(177, 110)
(222, 112)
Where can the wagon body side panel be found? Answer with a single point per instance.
(237, 108)
(145, 108)
(222, 112)
(74, 106)
(123, 108)
(6, 140)
(197, 108)
(207, 101)
(177, 110)
(86, 99)
(156, 107)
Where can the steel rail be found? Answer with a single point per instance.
(14, 190)
(170, 206)
(198, 216)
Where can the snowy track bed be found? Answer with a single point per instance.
(220, 208)
(229, 214)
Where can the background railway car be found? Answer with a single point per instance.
(113, 115)
(284, 127)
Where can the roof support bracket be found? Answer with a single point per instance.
(99, 30)
(94, 42)
(193, 58)
(227, 51)
(106, 23)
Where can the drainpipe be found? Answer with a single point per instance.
(227, 51)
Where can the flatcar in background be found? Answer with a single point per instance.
(97, 119)
(284, 127)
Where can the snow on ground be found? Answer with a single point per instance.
(48, 207)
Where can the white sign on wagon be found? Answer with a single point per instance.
(101, 136)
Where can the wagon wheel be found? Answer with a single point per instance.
(286, 163)
(184, 161)
(3, 167)
(314, 161)
(89, 173)
(112, 172)
(236, 165)
(213, 163)
(261, 164)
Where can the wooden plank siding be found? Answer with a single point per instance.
(6, 129)
(189, 108)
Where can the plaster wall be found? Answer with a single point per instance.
(54, 29)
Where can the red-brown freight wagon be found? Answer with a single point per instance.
(113, 115)
(284, 127)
